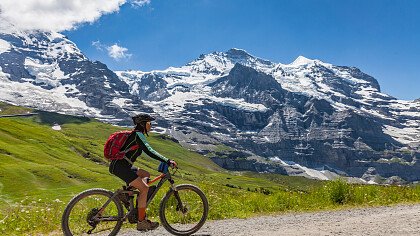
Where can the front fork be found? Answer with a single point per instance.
(179, 206)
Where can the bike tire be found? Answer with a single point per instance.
(164, 202)
(80, 196)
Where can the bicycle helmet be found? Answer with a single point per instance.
(140, 121)
(142, 118)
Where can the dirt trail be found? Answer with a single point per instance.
(381, 221)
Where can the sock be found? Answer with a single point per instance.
(142, 213)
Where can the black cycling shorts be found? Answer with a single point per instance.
(123, 170)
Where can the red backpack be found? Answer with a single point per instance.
(112, 148)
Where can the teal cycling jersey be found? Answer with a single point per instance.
(144, 146)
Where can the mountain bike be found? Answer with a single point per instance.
(182, 211)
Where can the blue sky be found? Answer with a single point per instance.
(381, 37)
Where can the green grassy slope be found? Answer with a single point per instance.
(37, 160)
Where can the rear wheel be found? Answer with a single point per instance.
(81, 214)
(183, 212)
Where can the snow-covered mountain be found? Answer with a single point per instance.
(244, 112)
(47, 71)
(344, 88)
(308, 112)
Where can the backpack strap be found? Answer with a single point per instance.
(132, 148)
(129, 161)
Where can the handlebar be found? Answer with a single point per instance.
(164, 168)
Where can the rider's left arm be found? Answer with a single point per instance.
(145, 146)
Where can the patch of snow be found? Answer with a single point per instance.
(313, 173)
(406, 135)
(214, 133)
(120, 101)
(56, 127)
(365, 92)
(239, 104)
(131, 78)
(327, 90)
(301, 60)
(276, 159)
(375, 113)
(67, 89)
(49, 74)
(159, 130)
(27, 94)
(344, 74)
(106, 84)
(310, 172)
(409, 113)
(59, 46)
(247, 132)
(53, 35)
(134, 89)
(4, 46)
(401, 104)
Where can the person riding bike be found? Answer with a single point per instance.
(134, 176)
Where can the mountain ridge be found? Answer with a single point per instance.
(307, 112)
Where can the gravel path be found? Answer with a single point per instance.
(381, 221)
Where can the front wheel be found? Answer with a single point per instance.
(183, 212)
(83, 214)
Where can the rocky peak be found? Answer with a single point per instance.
(245, 76)
(239, 55)
(237, 52)
(218, 63)
(243, 57)
(246, 82)
(301, 60)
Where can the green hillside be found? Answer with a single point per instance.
(42, 168)
(71, 159)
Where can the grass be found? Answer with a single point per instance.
(41, 169)
(7, 109)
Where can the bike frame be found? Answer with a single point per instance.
(131, 192)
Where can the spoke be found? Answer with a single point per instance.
(191, 203)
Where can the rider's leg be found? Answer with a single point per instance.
(142, 210)
(140, 184)
(143, 224)
(142, 173)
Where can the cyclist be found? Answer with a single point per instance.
(134, 176)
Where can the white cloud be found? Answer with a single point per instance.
(98, 45)
(118, 52)
(114, 51)
(57, 15)
(140, 3)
